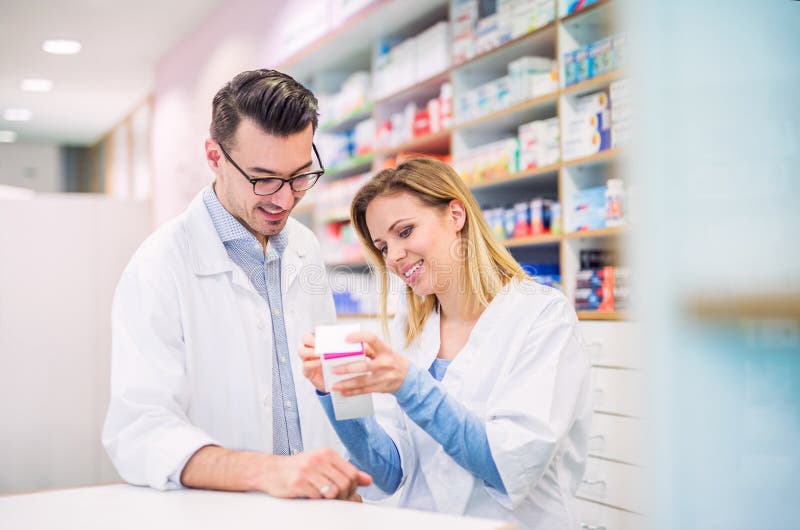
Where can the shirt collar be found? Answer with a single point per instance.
(230, 229)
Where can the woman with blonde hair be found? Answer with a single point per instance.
(483, 389)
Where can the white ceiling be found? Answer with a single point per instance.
(95, 89)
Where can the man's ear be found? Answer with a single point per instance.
(213, 155)
(458, 213)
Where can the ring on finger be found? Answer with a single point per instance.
(325, 489)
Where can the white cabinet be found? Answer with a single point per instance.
(613, 483)
(618, 391)
(616, 438)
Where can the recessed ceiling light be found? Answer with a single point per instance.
(36, 85)
(17, 114)
(61, 46)
(8, 137)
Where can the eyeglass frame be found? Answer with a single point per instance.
(254, 181)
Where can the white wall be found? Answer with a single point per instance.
(61, 257)
(33, 166)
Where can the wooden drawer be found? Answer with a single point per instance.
(618, 391)
(612, 483)
(612, 343)
(616, 437)
(593, 516)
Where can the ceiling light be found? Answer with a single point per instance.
(36, 85)
(8, 137)
(17, 115)
(61, 46)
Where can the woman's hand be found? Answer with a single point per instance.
(385, 369)
(312, 365)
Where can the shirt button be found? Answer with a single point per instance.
(275, 312)
(260, 324)
(295, 451)
(283, 359)
(288, 404)
(266, 401)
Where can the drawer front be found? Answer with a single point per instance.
(618, 391)
(612, 343)
(612, 483)
(593, 516)
(617, 438)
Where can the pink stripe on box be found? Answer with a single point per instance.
(328, 356)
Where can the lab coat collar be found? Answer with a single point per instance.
(208, 256)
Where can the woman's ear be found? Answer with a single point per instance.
(457, 213)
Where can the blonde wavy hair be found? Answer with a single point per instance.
(488, 265)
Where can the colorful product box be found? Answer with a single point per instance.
(589, 209)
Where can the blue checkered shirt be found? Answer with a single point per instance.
(264, 272)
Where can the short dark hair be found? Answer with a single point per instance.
(275, 101)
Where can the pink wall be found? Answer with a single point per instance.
(239, 35)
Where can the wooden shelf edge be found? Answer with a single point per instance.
(532, 103)
(544, 239)
(508, 44)
(593, 83)
(604, 315)
(416, 143)
(602, 156)
(608, 231)
(518, 176)
(441, 76)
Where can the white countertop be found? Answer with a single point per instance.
(122, 507)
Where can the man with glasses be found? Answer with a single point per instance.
(206, 390)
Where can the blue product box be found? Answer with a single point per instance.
(570, 74)
(576, 5)
(581, 64)
(589, 210)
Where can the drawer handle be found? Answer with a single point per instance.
(585, 526)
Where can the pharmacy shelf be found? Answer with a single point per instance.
(430, 143)
(602, 157)
(509, 50)
(410, 92)
(593, 84)
(518, 177)
(610, 231)
(353, 166)
(582, 13)
(511, 114)
(373, 21)
(347, 122)
(604, 315)
(545, 239)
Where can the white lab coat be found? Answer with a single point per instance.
(192, 350)
(524, 372)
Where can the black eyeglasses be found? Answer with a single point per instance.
(269, 185)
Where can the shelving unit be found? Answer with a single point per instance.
(558, 180)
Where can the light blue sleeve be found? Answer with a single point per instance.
(370, 448)
(460, 432)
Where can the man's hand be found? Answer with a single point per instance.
(320, 474)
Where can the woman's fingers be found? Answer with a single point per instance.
(369, 339)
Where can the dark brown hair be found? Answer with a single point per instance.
(275, 101)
